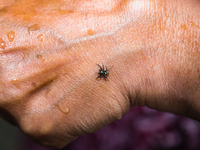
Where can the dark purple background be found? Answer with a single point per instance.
(140, 129)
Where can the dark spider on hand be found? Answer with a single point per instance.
(103, 72)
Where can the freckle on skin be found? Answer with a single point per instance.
(30, 14)
(62, 12)
(183, 26)
(33, 84)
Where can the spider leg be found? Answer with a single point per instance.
(103, 66)
(98, 76)
(105, 77)
(99, 66)
(108, 69)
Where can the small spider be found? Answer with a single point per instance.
(103, 72)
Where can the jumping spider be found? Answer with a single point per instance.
(103, 72)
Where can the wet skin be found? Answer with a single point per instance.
(48, 55)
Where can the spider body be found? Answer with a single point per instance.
(103, 72)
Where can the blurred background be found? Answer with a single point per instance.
(140, 129)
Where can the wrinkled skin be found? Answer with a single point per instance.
(48, 55)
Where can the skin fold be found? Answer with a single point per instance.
(48, 55)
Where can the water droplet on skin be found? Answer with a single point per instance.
(34, 27)
(40, 37)
(90, 32)
(63, 107)
(11, 36)
(16, 83)
(192, 24)
(119, 117)
(2, 43)
(39, 56)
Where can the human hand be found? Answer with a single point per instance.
(49, 51)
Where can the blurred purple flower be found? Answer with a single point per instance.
(140, 129)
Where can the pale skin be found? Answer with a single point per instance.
(48, 55)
